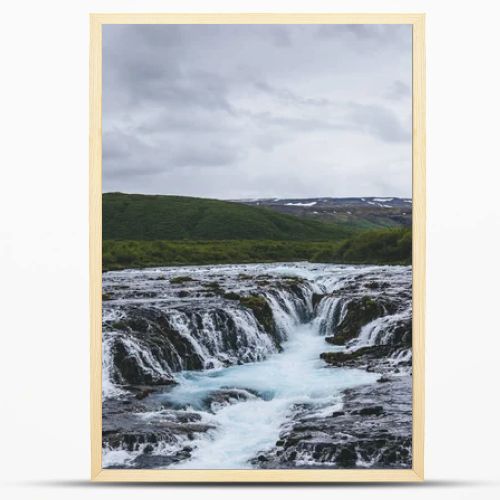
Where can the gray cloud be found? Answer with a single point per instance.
(399, 90)
(235, 111)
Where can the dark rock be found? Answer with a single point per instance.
(346, 458)
(317, 298)
(370, 410)
(131, 371)
(178, 280)
(223, 397)
(144, 393)
(359, 313)
(374, 428)
(358, 356)
(212, 285)
(261, 310)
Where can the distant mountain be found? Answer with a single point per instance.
(175, 218)
(357, 213)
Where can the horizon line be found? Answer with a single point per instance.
(254, 198)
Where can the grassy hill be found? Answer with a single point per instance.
(176, 218)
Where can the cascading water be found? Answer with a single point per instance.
(242, 345)
(295, 376)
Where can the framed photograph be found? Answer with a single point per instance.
(257, 247)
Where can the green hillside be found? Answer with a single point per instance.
(181, 218)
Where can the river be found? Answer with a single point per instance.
(221, 390)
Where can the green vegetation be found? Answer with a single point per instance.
(137, 254)
(373, 247)
(148, 231)
(178, 280)
(177, 218)
(361, 221)
(212, 285)
(389, 246)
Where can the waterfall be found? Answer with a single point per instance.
(328, 314)
(148, 341)
(152, 331)
(381, 330)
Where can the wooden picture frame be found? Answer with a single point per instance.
(297, 475)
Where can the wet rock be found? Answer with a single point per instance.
(151, 435)
(357, 357)
(373, 430)
(132, 371)
(316, 299)
(212, 285)
(144, 392)
(261, 310)
(179, 280)
(359, 313)
(148, 461)
(223, 397)
(370, 410)
(346, 458)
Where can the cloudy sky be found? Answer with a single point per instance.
(245, 111)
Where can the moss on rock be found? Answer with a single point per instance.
(359, 313)
(212, 285)
(178, 280)
(351, 357)
(261, 310)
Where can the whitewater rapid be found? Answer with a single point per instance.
(295, 376)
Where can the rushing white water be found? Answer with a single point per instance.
(378, 331)
(246, 428)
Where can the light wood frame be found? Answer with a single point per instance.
(95, 177)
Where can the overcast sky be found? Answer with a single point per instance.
(246, 111)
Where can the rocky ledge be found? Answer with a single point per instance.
(373, 429)
(152, 432)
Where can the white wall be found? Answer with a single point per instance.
(43, 233)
